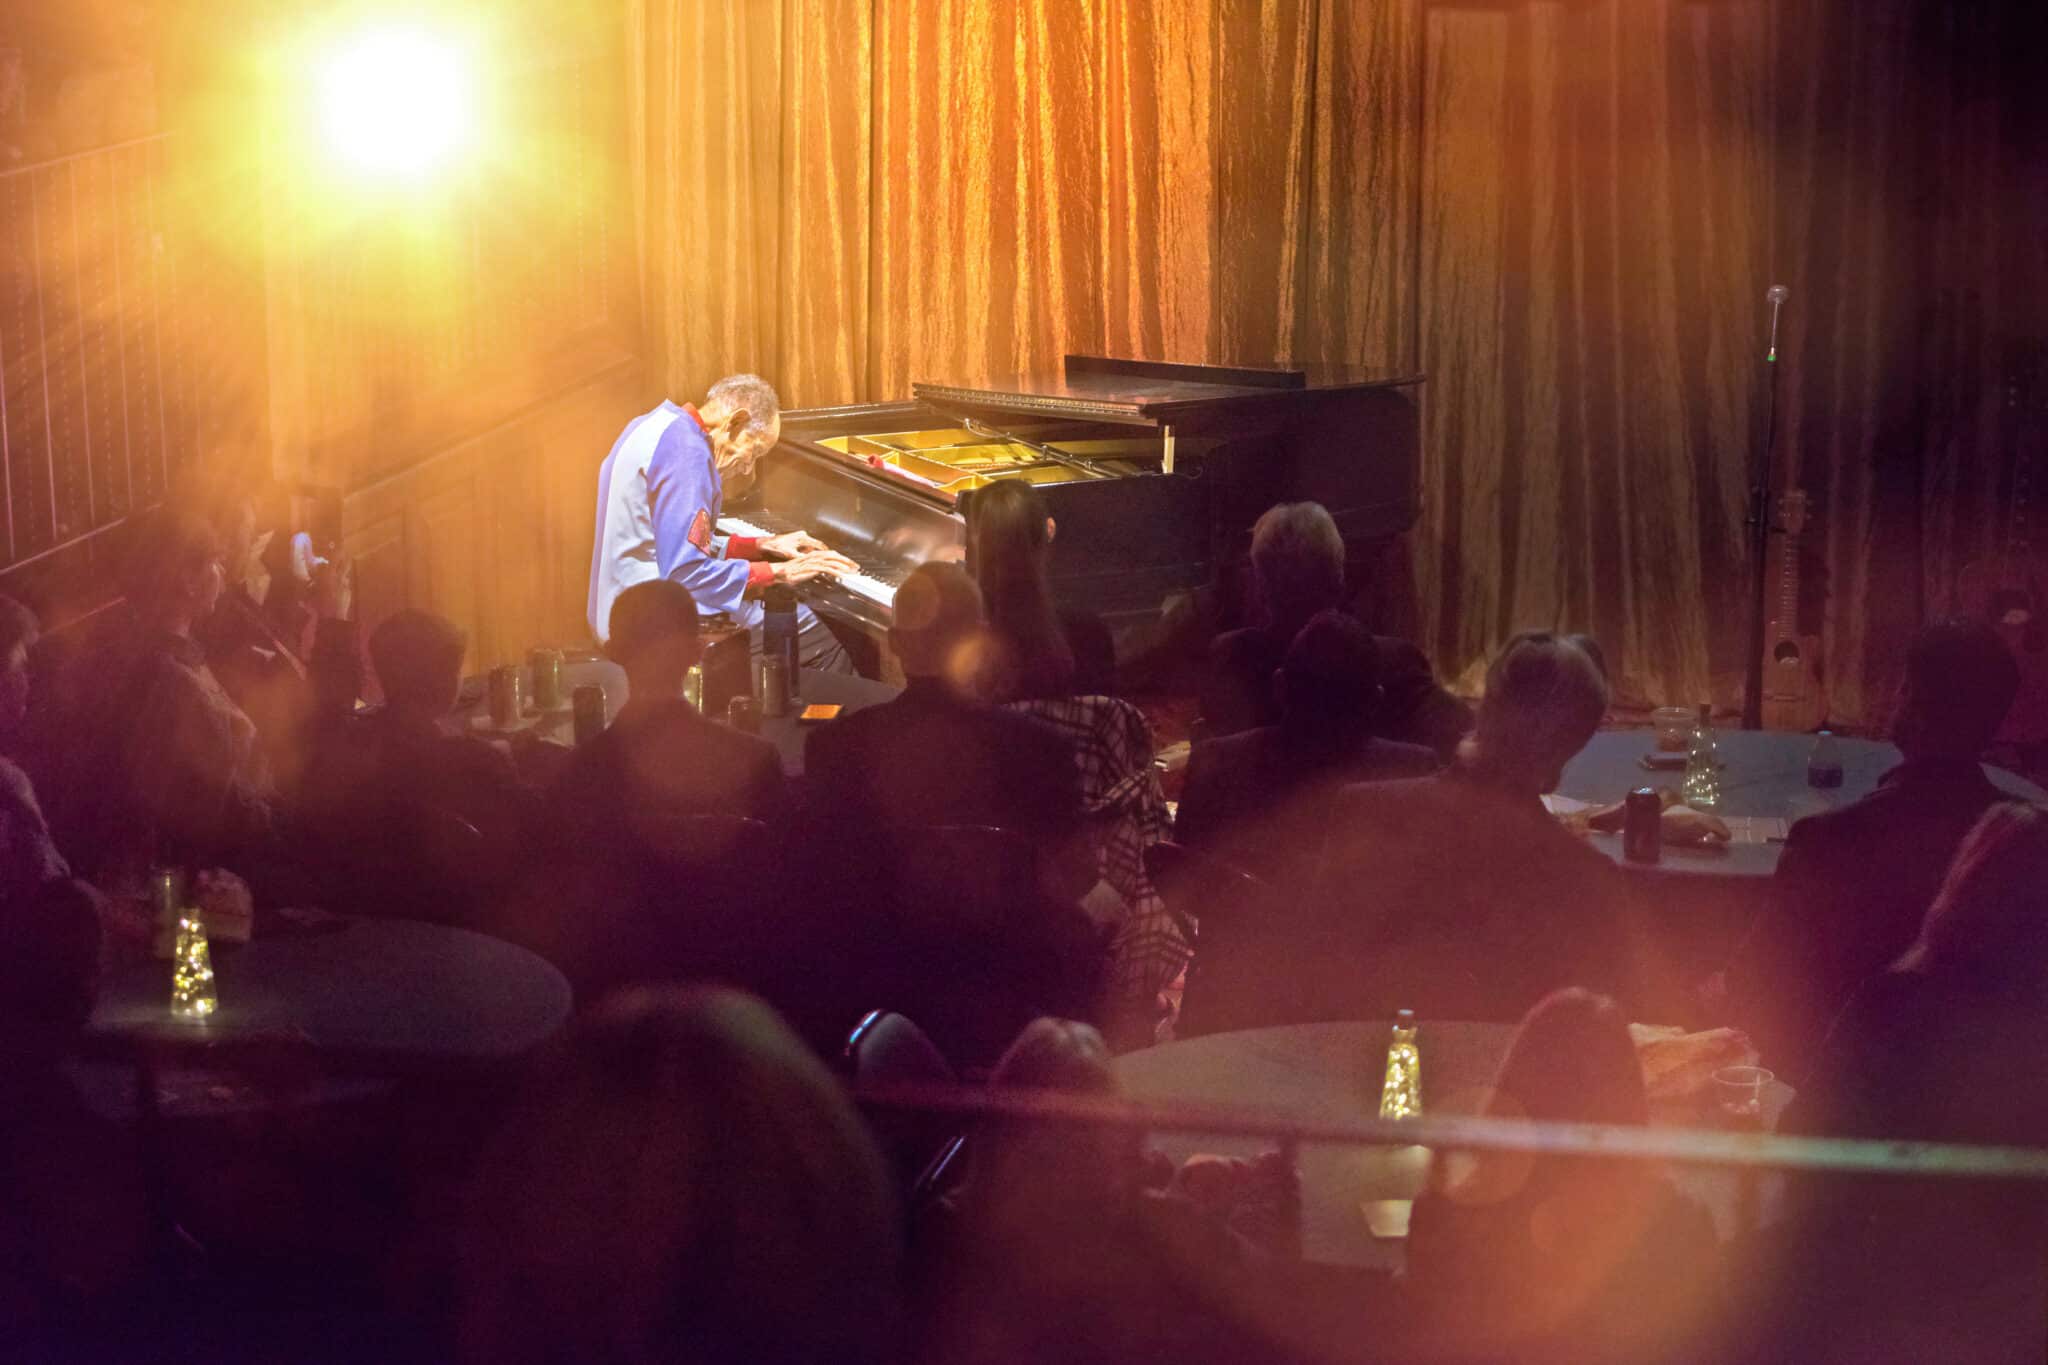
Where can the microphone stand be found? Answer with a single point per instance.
(1760, 526)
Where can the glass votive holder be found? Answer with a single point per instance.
(1739, 1093)
(1673, 728)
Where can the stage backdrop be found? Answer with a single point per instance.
(1566, 214)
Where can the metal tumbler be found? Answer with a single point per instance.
(546, 667)
(771, 682)
(505, 696)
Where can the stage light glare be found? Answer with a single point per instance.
(396, 102)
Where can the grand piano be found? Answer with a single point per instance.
(1154, 471)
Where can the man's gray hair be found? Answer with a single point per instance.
(745, 392)
(1297, 562)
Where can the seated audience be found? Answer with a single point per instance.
(938, 754)
(154, 761)
(287, 651)
(1513, 1256)
(1057, 1251)
(1256, 799)
(1854, 884)
(682, 1182)
(648, 867)
(1945, 1046)
(1298, 571)
(28, 855)
(73, 1229)
(1037, 649)
(380, 765)
(1124, 813)
(661, 760)
(1460, 895)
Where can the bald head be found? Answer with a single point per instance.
(938, 627)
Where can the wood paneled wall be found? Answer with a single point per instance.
(495, 532)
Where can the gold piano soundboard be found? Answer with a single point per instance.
(956, 459)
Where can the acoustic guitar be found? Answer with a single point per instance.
(2004, 590)
(1793, 699)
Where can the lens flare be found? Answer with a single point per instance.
(397, 102)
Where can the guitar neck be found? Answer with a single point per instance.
(1784, 576)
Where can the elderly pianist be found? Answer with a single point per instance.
(659, 495)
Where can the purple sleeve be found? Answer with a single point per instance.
(680, 488)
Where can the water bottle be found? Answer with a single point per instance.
(1702, 786)
(778, 630)
(1824, 768)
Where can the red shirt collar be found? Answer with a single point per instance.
(690, 411)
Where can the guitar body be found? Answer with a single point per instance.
(2005, 593)
(1793, 698)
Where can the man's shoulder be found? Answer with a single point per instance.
(15, 786)
(1398, 760)
(1429, 790)
(1873, 822)
(1245, 647)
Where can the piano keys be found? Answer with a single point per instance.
(1154, 471)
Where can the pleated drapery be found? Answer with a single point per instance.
(1567, 214)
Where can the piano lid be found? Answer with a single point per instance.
(1153, 392)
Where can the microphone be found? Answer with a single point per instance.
(1776, 296)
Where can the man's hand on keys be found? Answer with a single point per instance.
(790, 544)
(813, 564)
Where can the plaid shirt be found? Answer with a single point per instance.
(1127, 814)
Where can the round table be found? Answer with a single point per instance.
(1763, 789)
(1333, 1072)
(378, 996)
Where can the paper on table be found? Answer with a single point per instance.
(1565, 805)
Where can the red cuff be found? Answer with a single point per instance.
(759, 575)
(743, 547)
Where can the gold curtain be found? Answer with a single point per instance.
(1563, 213)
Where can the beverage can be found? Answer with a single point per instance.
(546, 667)
(505, 696)
(588, 704)
(1642, 829)
(693, 686)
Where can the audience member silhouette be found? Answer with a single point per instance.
(649, 868)
(1945, 1046)
(938, 754)
(28, 855)
(289, 653)
(158, 763)
(1298, 571)
(1854, 884)
(1514, 1256)
(1057, 1251)
(1255, 799)
(661, 760)
(1037, 649)
(682, 1182)
(73, 1230)
(403, 756)
(1460, 895)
